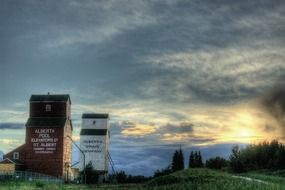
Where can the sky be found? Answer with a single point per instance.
(203, 75)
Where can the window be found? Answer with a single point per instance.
(48, 107)
(16, 155)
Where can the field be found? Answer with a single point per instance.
(200, 179)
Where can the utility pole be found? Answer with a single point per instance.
(82, 152)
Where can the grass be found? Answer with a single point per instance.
(265, 177)
(211, 180)
(196, 179)
(50, 186)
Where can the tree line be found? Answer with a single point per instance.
(92, 177)
(265, 155)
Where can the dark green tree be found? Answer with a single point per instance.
(236, 160)
(265, 155)
(195, 160)
(175, 158)
(199, 160)
(180, 160)
(191, 160)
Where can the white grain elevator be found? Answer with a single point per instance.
(94, 141)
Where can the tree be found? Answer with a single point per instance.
(195, 160)
(191, 160)
(199, 160)
(235, 160)
(180, 160)
(175, 159)
(265, 155)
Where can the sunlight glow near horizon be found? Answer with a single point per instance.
(241, 124)
(248, 126)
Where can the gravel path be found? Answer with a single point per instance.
(250, 179)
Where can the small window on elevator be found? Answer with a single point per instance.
(48, 107)
(16, 156)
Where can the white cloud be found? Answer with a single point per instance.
(221, 73)
(13, 116)
(101, 21)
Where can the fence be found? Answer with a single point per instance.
(28, 176)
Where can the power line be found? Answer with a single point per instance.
(111, 162)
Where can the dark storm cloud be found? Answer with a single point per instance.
(268, 128)
(274, 103)
(217, 75)
(182, 128)
(243, 28)
(117, 128)
(11, 126)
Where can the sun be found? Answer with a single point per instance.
(246, 126)
(243, 128)
(246, 133)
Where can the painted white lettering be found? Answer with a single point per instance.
(44, 143)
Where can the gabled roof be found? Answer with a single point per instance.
(46, 121)
(50, 98)
(9, 161)
(95, 116)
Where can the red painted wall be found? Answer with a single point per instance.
(58, 109)
(44, 150)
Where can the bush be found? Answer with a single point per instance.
(216, 163)
(91, 175)
(40, 184)
(121, 177)
(163, 172)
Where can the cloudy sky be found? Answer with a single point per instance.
(200, 74)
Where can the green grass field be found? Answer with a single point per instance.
(200, 179)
